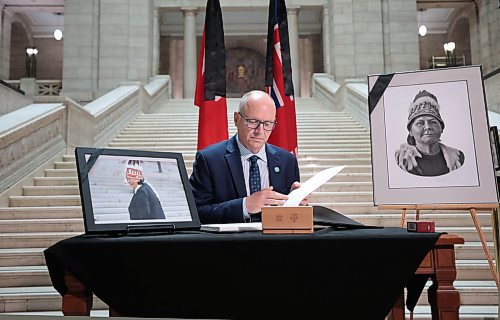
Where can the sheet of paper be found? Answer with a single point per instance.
(297, 195)
(232, 227)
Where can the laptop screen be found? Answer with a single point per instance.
(121, 189)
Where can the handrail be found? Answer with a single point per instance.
(491, 74)
(8, 85)
(32, 135)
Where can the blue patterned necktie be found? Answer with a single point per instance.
(254, 183)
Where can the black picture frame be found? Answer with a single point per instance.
(495, 147)
(106, 195)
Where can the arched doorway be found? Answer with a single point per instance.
(245, 69)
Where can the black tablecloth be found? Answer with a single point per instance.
(350, 274)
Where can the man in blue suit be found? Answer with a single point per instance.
(222, 178)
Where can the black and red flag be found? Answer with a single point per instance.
(210, 93)
(279, 77)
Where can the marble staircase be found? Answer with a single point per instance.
(49, 210)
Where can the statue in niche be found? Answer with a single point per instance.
(242, 78)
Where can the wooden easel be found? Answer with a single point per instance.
(493, 207)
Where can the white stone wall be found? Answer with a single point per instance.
(369, 37)
(107, 43)
(80, 48)
(400, 36)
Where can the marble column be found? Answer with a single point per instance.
(155, 66)
(293, 35)
(326, 42)
(190, 65)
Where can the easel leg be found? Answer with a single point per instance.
(403, 217)
(485, 246)
(496, 236)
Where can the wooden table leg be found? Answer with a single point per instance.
(398, 310)
(444, 299)
(78, 300)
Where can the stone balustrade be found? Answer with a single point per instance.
(29, 137)
(326, 90)
(32, 135)
(351, 96)
(35, 87)
(356, 93)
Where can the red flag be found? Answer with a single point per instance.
(210, 93)
(279, 78)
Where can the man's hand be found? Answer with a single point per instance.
(304, 201)
(264, 197)
(406, 157)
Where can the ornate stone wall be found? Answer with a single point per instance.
(245, 69)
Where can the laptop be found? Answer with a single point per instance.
(125, 191)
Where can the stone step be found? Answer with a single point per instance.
(193, 135)
(473, 251)
(41, 212)
(22, 257)
(64, 165)
(24, 276)
(474, 270)
(347, 125)
(342, 196)
(441, 219)
(57, 181)
(304, 163)
(50, 190)
(477, 312)
(471, 293)
(41, 298)
(42, 225)
(356, 186)
(42, 201)
(361, 143)
(469, 233)
(60, 172)
(343, 176)
(32, 239)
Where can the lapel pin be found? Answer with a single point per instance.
(276, 169)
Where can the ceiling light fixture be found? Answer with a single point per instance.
(58, 34)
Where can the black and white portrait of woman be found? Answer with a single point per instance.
(424, 154)
(429, 136)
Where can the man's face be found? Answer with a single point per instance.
(426, 130)
(259, 107)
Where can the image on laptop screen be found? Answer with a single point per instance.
(124, 188)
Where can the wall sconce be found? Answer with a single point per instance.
(449, 49)
(31, 53)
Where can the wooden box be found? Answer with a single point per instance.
(287, 220)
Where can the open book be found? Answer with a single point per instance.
(232, 227)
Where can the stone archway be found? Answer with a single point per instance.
(245, 70)
(19, 41)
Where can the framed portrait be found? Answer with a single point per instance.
(430, 138)
(129, 190)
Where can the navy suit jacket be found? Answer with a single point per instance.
(219, 185)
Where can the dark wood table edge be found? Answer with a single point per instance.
(443, 297)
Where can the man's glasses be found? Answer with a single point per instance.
(254, 123)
